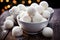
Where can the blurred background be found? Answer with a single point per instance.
(7, 4)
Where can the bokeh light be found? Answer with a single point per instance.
(7, 0)
(38, 1)
(14, 1)
(5, 7)
(29, 1)
(23, 2)
(1, 0)
(8, 6)
(2, 10)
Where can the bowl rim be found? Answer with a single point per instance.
(32, 22)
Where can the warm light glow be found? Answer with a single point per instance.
(14, 1)
(5, 7)
(7, 0)
(8, 6)
(2, 10)
(23, 2)
(29, 1)
(38, 1)
(1, 0)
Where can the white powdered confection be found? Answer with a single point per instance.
(44, 4)
(27, 7)
(31, 11)
(14, 10)
(23, 13)
(51, 10)
(10, 18)
(47, 32)
(21, 7)
(8, 24)
(34, 5)
(46, 14)
(25, 18)
(17, 31)
(40, 9)
(44, 19)
(11, 11)
(37, 18)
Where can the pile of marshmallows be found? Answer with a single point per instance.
(34, 13)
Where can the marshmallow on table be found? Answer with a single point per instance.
(14, 10)
(44, 4)
(46, 14)
(51, 10)
(11, 11)
(37, 18)
(40, 9)
(10, 18)
(25, 18)
(31, 11)
(8, 24)
(17, 31)
(21, 7)
(47, 32)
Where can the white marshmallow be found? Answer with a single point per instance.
(51, 10)
(10, 18)
(47, 32)
(14, 10)
(11, 11)
(17, 31)
(37, 18)
(21, 7)
(25, 18)
(31, 11)
(46, 14)
(22, 13)
(40, 9)
(8, 24)
(44, 19)
(34, 5)
(44, 4)
(27, 7)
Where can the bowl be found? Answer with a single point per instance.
(32, 27)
